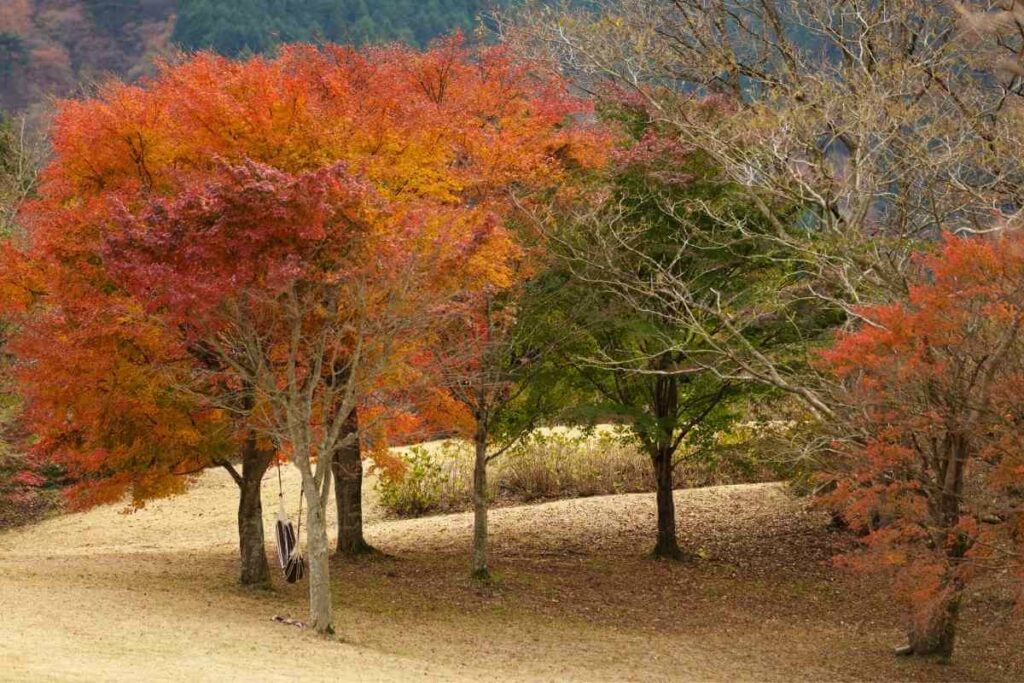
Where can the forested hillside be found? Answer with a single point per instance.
(50, 47)
(53, 47)
(243, 26)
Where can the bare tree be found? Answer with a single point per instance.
(21, 157)
(857, 130)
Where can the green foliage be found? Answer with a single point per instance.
(636, 363)
(651, 277)
(13, 52)
(242, 27)
(429, 481)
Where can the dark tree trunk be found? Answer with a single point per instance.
(666, 410)
(348, 494)
(480, 569)
(667, 545)
(254, 570)
(934, 634)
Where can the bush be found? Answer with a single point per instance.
(428, 480)
(564, 465)
(554, 464)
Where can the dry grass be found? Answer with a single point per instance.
(551, 464)
(151, 596)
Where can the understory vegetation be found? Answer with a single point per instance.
(558, 463)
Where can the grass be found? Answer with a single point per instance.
(152, 596)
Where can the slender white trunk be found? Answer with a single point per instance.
(321, 615)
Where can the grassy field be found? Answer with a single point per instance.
(151, 596)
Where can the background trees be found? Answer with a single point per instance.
(256, 26)
(835, 114)
(55, 48)
(59, 47)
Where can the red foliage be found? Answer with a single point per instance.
(218, 182)
(931, 470)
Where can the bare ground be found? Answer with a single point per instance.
(151, 596)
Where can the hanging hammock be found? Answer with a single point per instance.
(292, 563)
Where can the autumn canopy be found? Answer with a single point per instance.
(252, 248)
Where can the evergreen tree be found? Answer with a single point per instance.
(239, 27)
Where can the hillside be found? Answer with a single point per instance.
(56, 47)
(151, 596)
(245, 26)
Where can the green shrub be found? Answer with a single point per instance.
(432, 480)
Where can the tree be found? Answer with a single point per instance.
(517, 144)
(348, 491)
(932, 473)
(99, 375)
(20, 477)
(651, 213)
(289, 226)
(493, 374)
(619, 363)
(835, 113)
(306, 316)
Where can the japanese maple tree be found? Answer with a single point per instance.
(283, 231)
(931, 470)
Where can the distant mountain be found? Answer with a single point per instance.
(49, 47)
(245, 26)
(52, 47)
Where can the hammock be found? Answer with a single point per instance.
(292, 563)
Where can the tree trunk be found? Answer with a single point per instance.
(254, 570)
(667, 546)
(933, 634)
(348, 494)
(321, 615)
(665, 407)
(480, 570)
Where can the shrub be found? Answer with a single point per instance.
(429, 480)
(566, 465)
(558, 463)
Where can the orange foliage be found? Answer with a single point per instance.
(215, 179)
(931, 473)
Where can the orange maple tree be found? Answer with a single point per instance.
(241, 252)
(931, 471)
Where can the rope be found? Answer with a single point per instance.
(298, 525)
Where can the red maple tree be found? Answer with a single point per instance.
(931, 469)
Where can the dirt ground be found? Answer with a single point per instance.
(151, 596)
